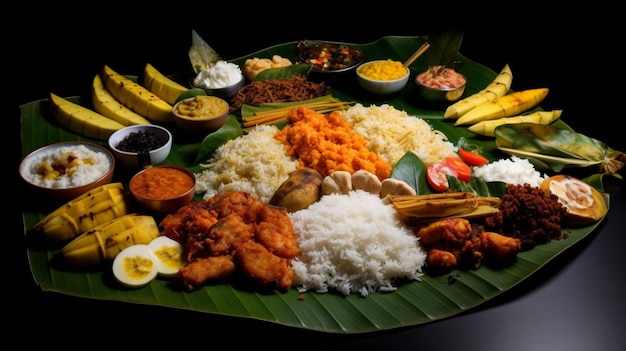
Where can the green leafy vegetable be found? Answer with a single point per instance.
(411, 170)
(554, 148)
(230, 130)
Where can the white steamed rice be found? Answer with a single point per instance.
(513, 170)
(90, 166)
(354, 243)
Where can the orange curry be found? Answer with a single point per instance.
(161, 183)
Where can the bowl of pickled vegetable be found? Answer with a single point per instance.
(328, 59)
(441, 84)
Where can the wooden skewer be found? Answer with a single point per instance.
(417, 54)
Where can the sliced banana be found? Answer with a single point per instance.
(169, 255)
(135, 266)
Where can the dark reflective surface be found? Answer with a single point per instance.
(576, 302)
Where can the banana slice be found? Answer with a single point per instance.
(169, 255)
(135, 266)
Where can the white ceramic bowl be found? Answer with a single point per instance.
(55, 191)
(141, 154)
(381, 87)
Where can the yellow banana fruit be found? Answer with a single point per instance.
(106, 104)
(487, 128)
(81, 120)
(66, 206)
(84, 214)
(105, 241)
(162, 86)
(498, 87)
(508, 105)
(136, 97)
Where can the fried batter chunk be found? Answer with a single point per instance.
(262, 267)
(213, 231)
(206, 269)
(455, 242)
(502, 247)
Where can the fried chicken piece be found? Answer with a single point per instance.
(262, 267)
(203, 270)
(441, 259)
(225, 235)
(501, 247)
(454, 231)
(275, 232)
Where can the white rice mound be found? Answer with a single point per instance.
(391, 133)
(255, 162)
(90, 166)
(354, 243)
(514, 170)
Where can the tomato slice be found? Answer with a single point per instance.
(472, 158)
(437, 176)
(463, 170)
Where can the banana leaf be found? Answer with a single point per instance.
(549, 147)
(433, 298)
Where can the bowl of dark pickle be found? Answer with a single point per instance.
(328, 59)
(141, 146)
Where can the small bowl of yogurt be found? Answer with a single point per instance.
(223, 79)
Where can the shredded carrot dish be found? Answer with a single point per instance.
(327, 144)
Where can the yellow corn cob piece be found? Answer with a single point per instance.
(136, 97)
(162, 86)
(86, 214)
(106, 240)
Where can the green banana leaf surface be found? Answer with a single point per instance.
(413, 303)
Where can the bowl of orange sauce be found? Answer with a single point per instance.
(163, 189)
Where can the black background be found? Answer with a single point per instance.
(567, 305)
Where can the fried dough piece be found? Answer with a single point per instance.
(262, 267)
(501, 247)
(203, 270)
(275, 232)
(453, 231)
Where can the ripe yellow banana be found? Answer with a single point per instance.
(136, 97)
(498, 87)
(81, 120)
(505, 106)
(107, 105)
(85, 214)
(162, 86)
(487, 128)
(105, 241)
(66, 206)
